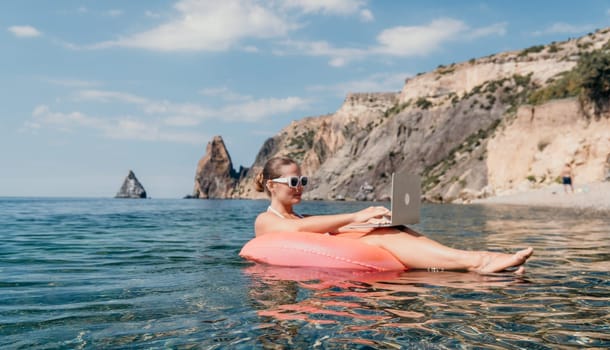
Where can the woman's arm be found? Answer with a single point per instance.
(267, 222)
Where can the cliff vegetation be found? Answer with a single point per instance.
(491, 125)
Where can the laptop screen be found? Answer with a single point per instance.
(406, 198)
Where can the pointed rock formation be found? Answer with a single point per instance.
(132, 188)
(215, 177)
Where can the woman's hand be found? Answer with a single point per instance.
(371, 213)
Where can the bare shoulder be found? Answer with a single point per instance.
(263, 222)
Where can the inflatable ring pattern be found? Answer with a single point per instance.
(306, 249)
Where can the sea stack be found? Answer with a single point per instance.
(132, 188)
(215, 177)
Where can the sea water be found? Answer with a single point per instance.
(153, 274)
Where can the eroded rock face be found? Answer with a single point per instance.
(215, 176)
(315, 142)
(465, 128)
(131, 188)
(532, 149)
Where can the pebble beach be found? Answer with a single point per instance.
(594, 196)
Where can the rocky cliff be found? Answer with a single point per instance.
(131, 188)
(501, 123)
(215, 177)
(531, 151)
(315, 142)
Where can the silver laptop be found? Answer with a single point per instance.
(405, 205)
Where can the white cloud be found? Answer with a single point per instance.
(322, 48)
(247, 108)
(338, 56)
(146, 105)
(166, 107)
(129, 128)
(40, 110)
(181, 120)
(375, 82)
(24, 31)
(332, 7)
(225, 94)
(72, 82)
(132, 129)
(110, 96)
(114, 13)
(67, 45)
(250, 48)
(259, 109)
(208, 26)
(498, 29)
(29, 125)
(419, 40)
(159, 120)
(220, 25)
(151, 14)
(366, 15)
(240, 108)
(564, 28)
(399, 41)
(337, 62)
(63, 121)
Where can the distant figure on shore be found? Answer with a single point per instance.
(567, 178)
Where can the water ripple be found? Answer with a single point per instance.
(103, 273)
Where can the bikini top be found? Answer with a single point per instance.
(269, 208)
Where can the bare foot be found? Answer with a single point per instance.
(496, 262)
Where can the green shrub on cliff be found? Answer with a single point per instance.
(303, 140)
(532, 49)
(568, 85)
(523, 80)
(594, 69)
(554, 48)
(397, 108)
(423, 103)
(589, 79)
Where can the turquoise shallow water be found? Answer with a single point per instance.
(141, 274)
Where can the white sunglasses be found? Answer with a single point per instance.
(292, 181)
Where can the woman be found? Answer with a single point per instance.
(282, 181)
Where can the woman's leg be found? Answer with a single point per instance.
(418, 252)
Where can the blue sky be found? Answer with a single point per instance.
(92, 89)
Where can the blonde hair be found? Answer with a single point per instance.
(271, 170)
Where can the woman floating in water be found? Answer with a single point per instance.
(282, 181)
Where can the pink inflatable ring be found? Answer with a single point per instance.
(305, 249)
